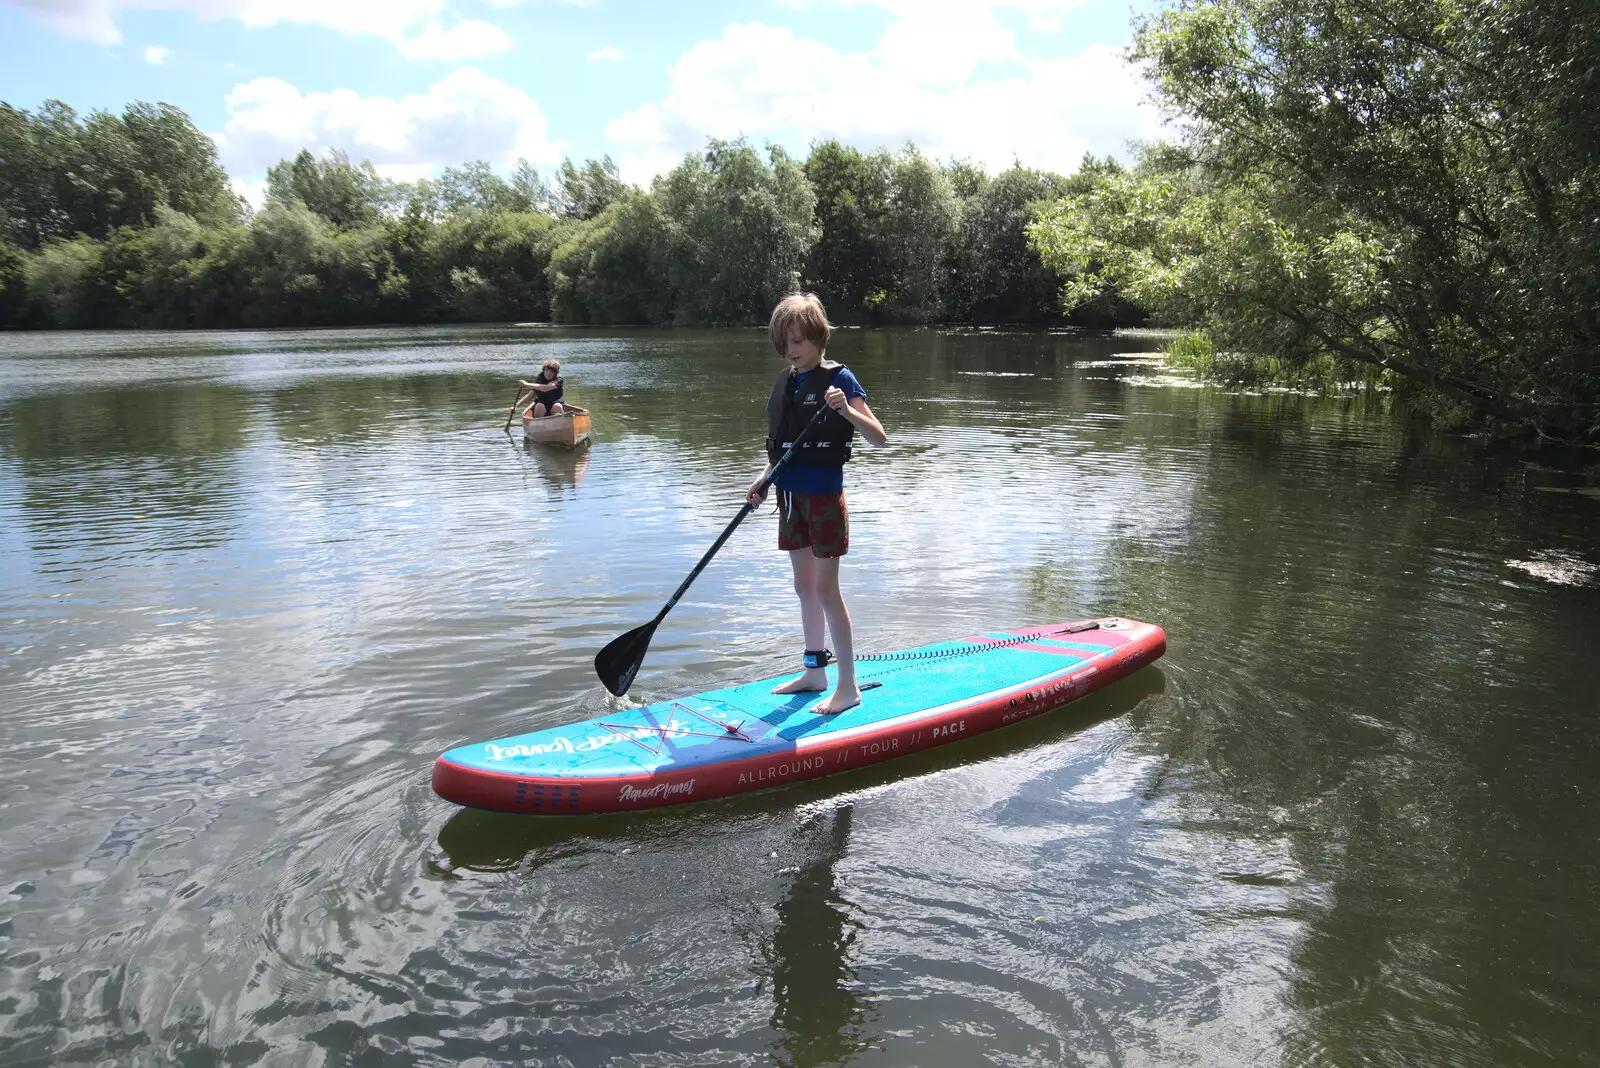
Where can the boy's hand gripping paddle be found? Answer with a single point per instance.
(620, 660)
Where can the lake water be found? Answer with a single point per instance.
(252, 584)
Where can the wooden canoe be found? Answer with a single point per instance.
(569, 429)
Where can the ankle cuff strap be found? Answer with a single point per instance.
(818, 658)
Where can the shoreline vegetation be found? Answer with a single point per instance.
(128, 221)
(1388, 193)
(1193, 352)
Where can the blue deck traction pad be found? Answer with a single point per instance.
(749, 720)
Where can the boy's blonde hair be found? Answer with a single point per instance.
(802, 312)
(551, 365)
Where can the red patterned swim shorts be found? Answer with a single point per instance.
(819, 520)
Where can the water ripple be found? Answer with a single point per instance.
(253, 583)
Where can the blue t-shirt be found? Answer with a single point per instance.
(801, 478)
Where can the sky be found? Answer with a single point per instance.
(418, 85)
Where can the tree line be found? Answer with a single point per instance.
(128, 221)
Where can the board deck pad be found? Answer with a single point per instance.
(746, 737)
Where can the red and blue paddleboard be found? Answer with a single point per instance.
(748, 738)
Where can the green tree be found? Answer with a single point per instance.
(617, 267)
(290, 262)
(1410, 186)
(741, 227)
(846, 265)
(152, 269)
(60, 175)
(63, 282)
(475, 187)
(498, 263)
(346, 194)
(178, 163)
(584, 192)
(529, 192)
(222, 277)
(967, 179)
(30, 156)
(999, 276)
(13, 286)
(918, 230)
(719, 239)
(886, 224)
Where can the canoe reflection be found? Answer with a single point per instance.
(561, 469)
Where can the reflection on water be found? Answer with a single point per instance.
(817, 1000)
(558, 468)
(252, 584)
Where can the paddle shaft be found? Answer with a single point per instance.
(513, 412)
(727, 531)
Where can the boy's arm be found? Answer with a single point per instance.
(758, 492)
(856, 410)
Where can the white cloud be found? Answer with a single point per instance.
(921, 83)
(465, 116)
(254, 191)
(392, 20)
(464, 40)
(937, 47)
(605, 55)
(1043, 15)
(156, 55)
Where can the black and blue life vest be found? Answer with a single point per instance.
(790, 409)
(548, 397)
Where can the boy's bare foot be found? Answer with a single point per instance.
(815, 680)
(839, 701)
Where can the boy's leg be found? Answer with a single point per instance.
(847, 694)
(538, 409)
(812, 618)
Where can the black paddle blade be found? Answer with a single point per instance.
(620, 660)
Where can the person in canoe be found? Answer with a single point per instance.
(813, 524)
(546, 389)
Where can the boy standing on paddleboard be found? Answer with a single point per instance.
(813, 525)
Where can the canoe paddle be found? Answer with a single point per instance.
(512, 413)
(620, 661)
